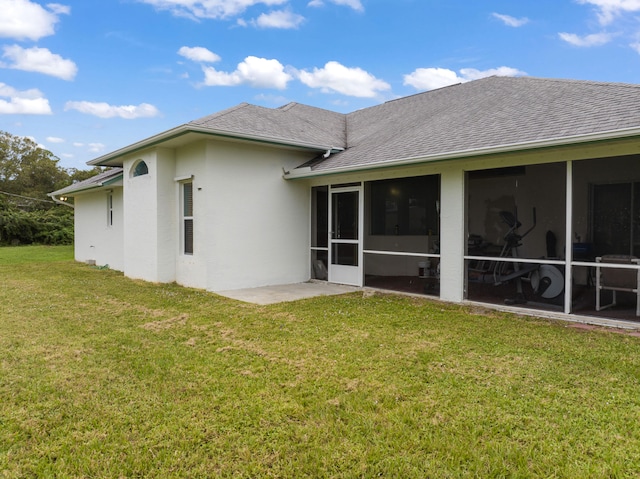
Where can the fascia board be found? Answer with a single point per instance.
(185, 129)
(410, 161)
(83, 189)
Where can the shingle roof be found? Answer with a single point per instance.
(492, 113)
(90, 183)
(293, 122)
(488, 113)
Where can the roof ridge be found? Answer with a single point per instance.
(218, 114)
(287, 106)
(575, 81)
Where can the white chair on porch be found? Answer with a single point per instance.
(617, 279)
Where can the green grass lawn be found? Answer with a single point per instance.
(102, 376)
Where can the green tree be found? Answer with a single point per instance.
(28, 170)
(27, 174)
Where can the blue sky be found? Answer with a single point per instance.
(83, 78)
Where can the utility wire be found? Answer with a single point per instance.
(26, 197)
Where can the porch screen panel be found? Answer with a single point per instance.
(319, 232)
(606, 230)
(320, 217)
(345, 216)
(612, 218)
(516, 234)
(405, 206)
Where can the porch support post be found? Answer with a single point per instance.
(568, 273)
(452, 234)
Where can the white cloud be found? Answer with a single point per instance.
(198, 54)
(39, 60)
(469, 74)
(355, 4)
(635, 46)
(96, 147)
(608, 10)
(59, 9)
(27, 102)
(511, 21)
(253, 71)
(55, 139)
(197, 9)
(284, 19)
(593, 40)
(272, 99)
(23, 19)
(104, 110)
(432, 78)
(348, 81)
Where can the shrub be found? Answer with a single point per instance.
(53, 226)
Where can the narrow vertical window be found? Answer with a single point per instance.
(187, 218)
(109, 209)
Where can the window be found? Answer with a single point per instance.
(109, 209)
(187, 217)
(140, 169)
(405, 206)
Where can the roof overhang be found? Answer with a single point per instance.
(308, 172)
(186, 133)
(72, 190)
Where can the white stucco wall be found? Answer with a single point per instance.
(257, 222)
(251, 227)
(141, 219)
(190, 269)
(452, 234)
(96, 240)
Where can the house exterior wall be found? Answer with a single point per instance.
(191, 165)
(452, 234)
(96, 240)
(258, 223)
(251, 227)
(141, 248)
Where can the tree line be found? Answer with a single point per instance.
(27, 174)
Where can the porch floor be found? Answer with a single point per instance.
(622, 316)
(287, 292)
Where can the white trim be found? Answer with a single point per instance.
(110, 209)
(352, 275)
(527, 145)
(183, 220)
(401, 253)
(511, 259)
(188, 128)
(568, 241)
(182, 179)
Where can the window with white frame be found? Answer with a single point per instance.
(187, 217)
(140, 169)
(109, 209)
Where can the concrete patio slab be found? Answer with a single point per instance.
(287, 292)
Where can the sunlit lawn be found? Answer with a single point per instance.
(102, 376)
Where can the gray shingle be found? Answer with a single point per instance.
(293, 122)
(93, 182)
(487, 113)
